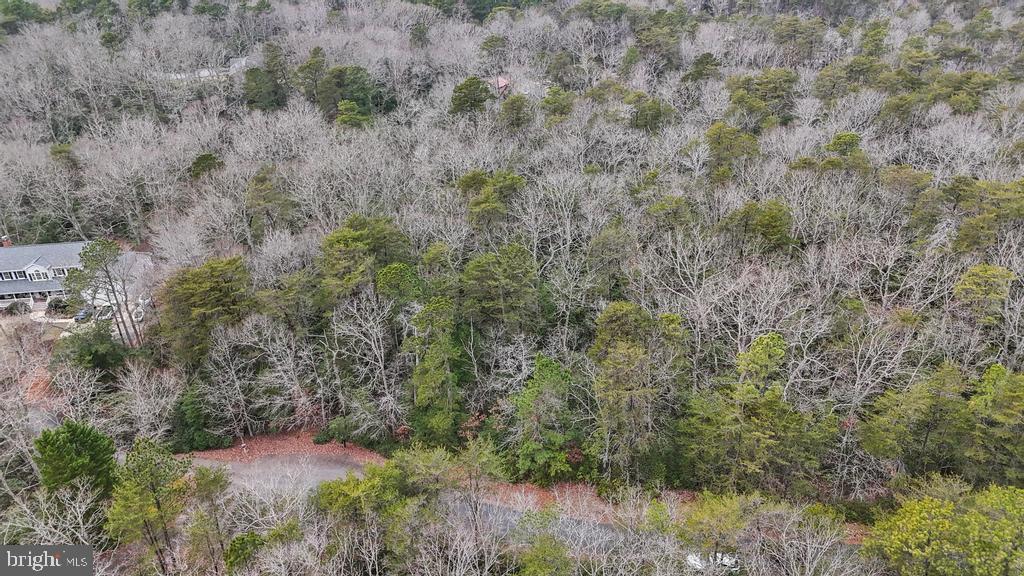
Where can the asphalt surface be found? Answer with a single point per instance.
(304, 472)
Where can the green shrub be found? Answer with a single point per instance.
(75, 451)
(242, 549)
(190, 425)
(470, 96)
(516, 112)
(58, 307)
(650, 114)
(17, 308)
(354, 84)
(204, 164)
(262, 91)
(766, 223)
(92, 346)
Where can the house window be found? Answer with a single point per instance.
(6, 275)
(20, 275)
(60, 272)
(38, 276)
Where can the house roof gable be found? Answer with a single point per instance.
(57, 255)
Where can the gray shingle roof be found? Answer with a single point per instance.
(23, 286)
(59, 255)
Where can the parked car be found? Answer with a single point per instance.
(138, 314)
(105, 313)
(84, 314)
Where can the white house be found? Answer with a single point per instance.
(35, 272)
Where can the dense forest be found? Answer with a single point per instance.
(751, 269)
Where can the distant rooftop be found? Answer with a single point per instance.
(57, 255)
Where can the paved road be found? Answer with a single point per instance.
(235, 65)
(282, 471)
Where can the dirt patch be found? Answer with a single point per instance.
(523, 496)
(856, 533)
(297, 443)
(37, 387)
(572, 499)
